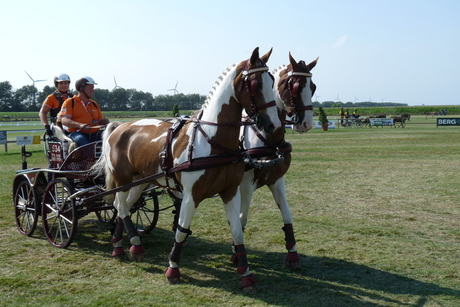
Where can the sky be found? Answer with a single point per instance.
(404, 51)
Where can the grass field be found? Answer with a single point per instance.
(376, 215)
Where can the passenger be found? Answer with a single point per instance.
(347, 114)
(54, 101)
(81, 115)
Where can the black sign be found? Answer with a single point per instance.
(447, 121)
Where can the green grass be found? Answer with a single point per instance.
(376, 217)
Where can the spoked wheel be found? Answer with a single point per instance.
(106, 216)
(59, 213)
(26, 208)
(145, 211)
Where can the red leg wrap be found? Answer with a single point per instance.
(289, 236)
(137, 249)
(118, 251)
(292, 257)
(174, 255)
(248, 281)
(118, 231)
(172, 273)
(241, 259)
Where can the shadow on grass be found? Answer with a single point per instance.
(321, 281)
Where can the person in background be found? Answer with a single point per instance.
(81, 115)
(54, 101)
(355, 113)
(347, 114)
(342, 114)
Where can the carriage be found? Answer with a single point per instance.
(67, 191)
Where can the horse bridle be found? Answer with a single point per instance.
(293, 83)
(252, 88)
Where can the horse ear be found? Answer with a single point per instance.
(312, 64)
(266, 56)
(254, 56)
(291, 59)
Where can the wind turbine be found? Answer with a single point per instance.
(33, 84)
(116, 85)
(337, 99)
(174, 89)
(33, 81)
(316, 99)
(355, 99)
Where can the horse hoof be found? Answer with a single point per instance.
(137, 253)
(173, 276)
(118, 253)
(252, 289)
(293, 260)
(249, 284)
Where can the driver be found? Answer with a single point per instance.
(82, 115)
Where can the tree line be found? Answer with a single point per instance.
(29, 99)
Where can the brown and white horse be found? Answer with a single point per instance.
(199, 157)
(293, 91)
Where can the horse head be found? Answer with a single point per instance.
(254, 90)
(294, 88)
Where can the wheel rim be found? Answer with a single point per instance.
(59, 214)
(106, 216)
(25, 208)
(145, 216)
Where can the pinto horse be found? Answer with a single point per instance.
(197, 157)
(293, 91)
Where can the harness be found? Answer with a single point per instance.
(229, 156)
(54, 112)
(292, 83)
(254, 155)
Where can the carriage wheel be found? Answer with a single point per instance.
(145, 211)
(59, 213)
(106, 216)
(26, 208)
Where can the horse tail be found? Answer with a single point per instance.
(102, 165)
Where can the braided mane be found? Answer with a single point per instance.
(216, 85)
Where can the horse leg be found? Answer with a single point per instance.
(123, 203)
(232, 210)
(118, 251)
(279, 194)
(247, 189)
(187, 211)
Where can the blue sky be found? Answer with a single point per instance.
(381, 50)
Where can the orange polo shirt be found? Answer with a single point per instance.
(89, 114)
(51, 102)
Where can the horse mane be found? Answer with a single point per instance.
(216, 85)
(278, 69)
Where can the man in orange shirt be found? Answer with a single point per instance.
(81, 115)
(54, 101)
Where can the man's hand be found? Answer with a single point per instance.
(48, 130)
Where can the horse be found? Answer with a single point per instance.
(195, 158)
(399, 119)
(293, 91)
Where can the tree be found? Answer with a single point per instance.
(6, 96)
(175, 110)
(26, 96)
